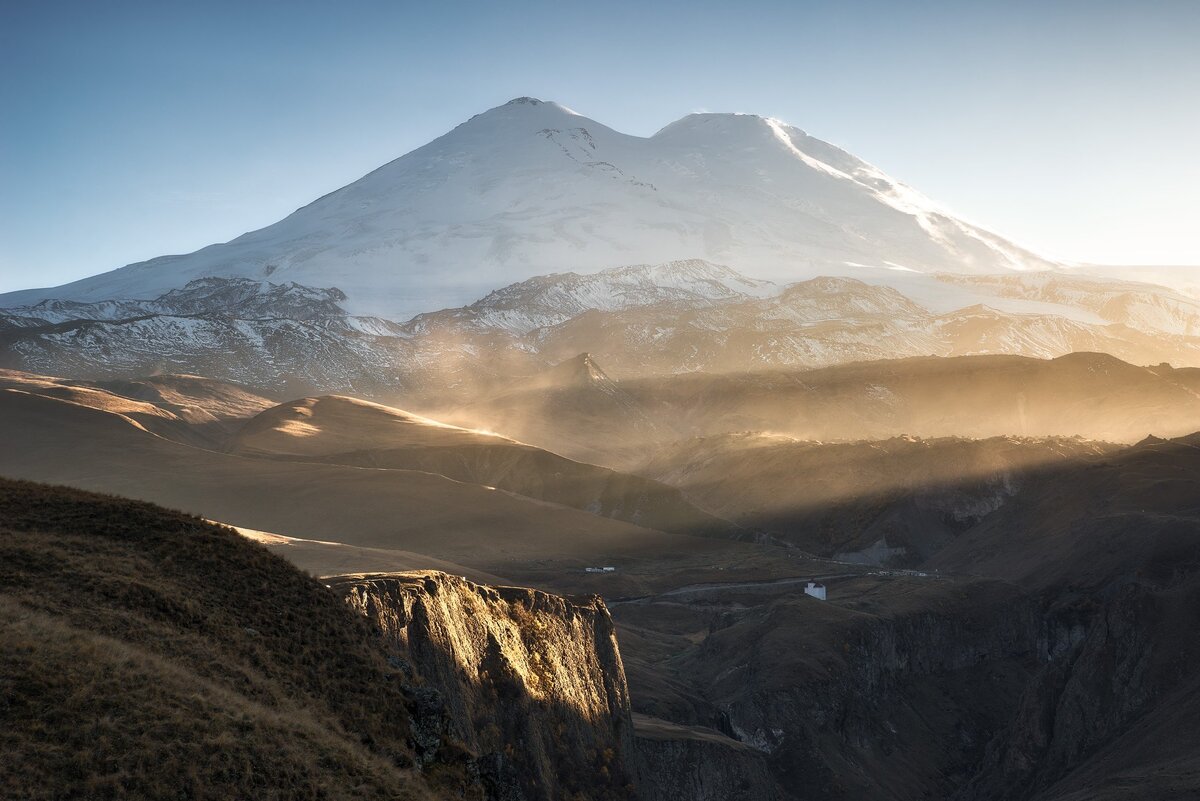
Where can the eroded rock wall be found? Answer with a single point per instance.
(532, 683)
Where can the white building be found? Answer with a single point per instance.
(816, 590)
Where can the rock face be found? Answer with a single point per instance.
(532, 683)
(1101, 671)
(1112, 550)
(885, 700)
(685, 762)
(1067, 675)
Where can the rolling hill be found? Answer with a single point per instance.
(345, 431)
(446, 520)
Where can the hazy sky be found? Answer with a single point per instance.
(130, 129)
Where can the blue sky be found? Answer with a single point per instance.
(130, 129)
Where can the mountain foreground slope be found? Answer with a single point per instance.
(151, 654)
(148, 654)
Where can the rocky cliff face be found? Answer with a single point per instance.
(698, 764)
(836, 709)
(531, 683)
(892, 689)
(1069, 675)
(1100, 671)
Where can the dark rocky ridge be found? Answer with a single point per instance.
(893, 502)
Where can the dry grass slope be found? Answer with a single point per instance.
(149, 654)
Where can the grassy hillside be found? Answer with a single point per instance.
(148, 654)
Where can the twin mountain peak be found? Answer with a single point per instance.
(532, 188)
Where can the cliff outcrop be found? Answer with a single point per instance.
(531, 683)
(699, 764)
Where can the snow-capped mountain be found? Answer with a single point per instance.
(531, 188)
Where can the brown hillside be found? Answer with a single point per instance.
(148, 654)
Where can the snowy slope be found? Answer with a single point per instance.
(237, 297)
(547, 300)
(531, 188)
(1145, 307)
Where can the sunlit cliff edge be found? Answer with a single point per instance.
(532, 682)
(168, 646)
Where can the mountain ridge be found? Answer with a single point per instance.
(685, 316)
